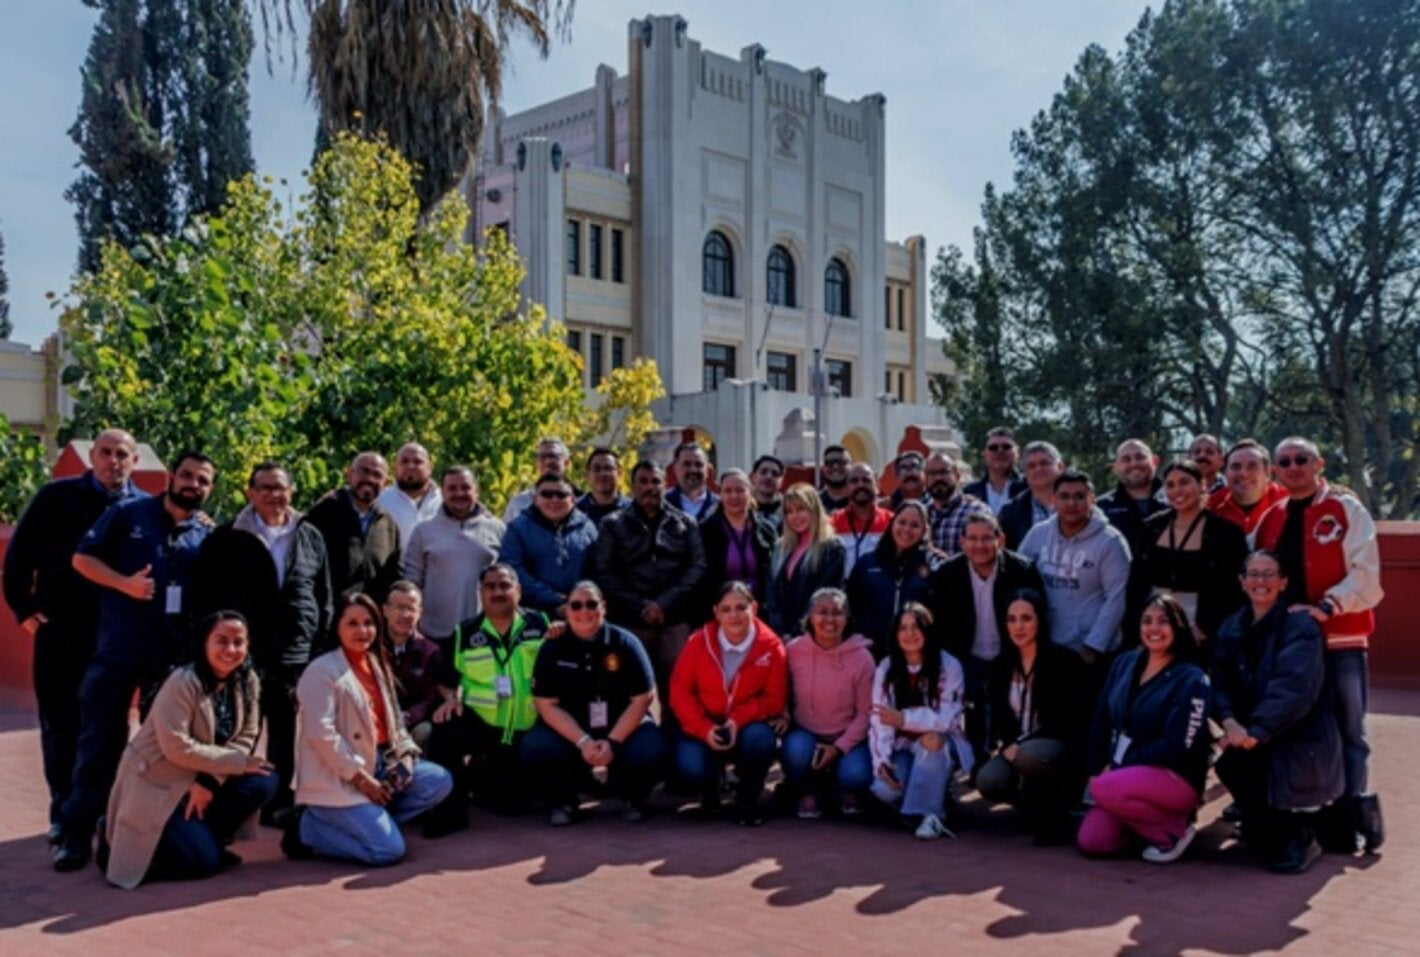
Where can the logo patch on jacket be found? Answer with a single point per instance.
(1327, 529)
(611, 662)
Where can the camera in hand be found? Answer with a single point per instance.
(722, 734)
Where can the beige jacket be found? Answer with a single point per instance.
(335, 735)
(158, 766)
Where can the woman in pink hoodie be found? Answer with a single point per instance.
(830, 702)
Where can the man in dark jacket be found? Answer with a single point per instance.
(56, 606)
(1002, 482)
(650, 559)
(970, 594)
(1043, 464)
(1138, 494)
(271, 566)
(361, 539)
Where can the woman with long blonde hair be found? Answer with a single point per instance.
(807, 557)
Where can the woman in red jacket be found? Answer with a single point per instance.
(728, 693)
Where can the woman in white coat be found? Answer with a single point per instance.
(917, 737)
(358, 772)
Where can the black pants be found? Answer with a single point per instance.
(61, 656)
(474, 753)
(278, 707)
(1267, 829)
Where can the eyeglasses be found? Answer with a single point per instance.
(271, 489)
(1000, 447)
(578, 604)
(1287, 461)
(555, 493)
(1261, 576)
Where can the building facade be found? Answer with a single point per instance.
(726, 218)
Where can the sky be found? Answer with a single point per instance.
(959, 76)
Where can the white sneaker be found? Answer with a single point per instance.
(930, 829)
(1157, 855)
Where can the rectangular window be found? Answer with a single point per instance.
(618, 351)
(783, 372)
(719, 365)
(887, 380)
(574, 247)
(840, 377)
(887, 307)
(901, 310)
(574, 341)
(618, 256)
(902, 387)
(594, 359)
(594, 250)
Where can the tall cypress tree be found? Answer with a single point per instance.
(162, 123)
(6, 327)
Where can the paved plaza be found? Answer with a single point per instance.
(679, 887)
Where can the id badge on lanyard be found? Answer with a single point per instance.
(597, 714)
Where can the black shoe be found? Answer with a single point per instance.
(1335, 826)
(71, 855)
(1233, 813)
(101, 842)
(291, 843)
(54, 835)
(228, 858)
(1369, 823)
(1298, 855)
(748, 814)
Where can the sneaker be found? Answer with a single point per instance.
(748, 814)
(560, 816)
(71, 855)
(1233, 813)
(930, 829)
(808, 808)
(849, 805)
(54, 835)
(1157, 855)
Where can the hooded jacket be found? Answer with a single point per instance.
(1162, 723)
(700, 696)
(549, 559)
(1086, 579)
(831, 689)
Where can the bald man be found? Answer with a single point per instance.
(57, 606)
(362, 540)
(414, 497)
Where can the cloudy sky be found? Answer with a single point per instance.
(959, 77)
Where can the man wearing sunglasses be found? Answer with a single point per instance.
(448, 553)
(1002, 482)
(548, 545)
(1326, 544)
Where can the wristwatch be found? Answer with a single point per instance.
(1327, 606)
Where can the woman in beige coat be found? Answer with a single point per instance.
(188, 779)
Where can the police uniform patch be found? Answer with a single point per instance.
(611, 662)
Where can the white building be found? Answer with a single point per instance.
(725, 217)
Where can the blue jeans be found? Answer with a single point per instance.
(369, 833)
(852, 773)
(1351, 689)
(699, 767)
(558, 768)
(924, 776)
(192, 847)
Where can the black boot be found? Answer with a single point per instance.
(1335, 826)
(1297, 848)
(1369, 821)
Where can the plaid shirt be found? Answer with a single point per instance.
(949, 520)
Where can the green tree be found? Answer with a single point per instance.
(162, 124)
(22, 470)
(351, 323)
(423, 73)
(6, 327)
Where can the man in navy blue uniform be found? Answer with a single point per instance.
(57, 607)
(140, 553)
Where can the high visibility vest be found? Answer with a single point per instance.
(483, 656)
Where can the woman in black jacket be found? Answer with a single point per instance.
(1190, 553)
(1149, 744)
(738, 542)
(894, 573)
(1282, 751)
(807, 557)
(1038, 715)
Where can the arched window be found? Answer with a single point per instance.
(836, 296)
(779, 278)
(718, 265)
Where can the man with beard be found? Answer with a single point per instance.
(449, 552)
(1002, 482)
(649, 561)
(1138, 494)
(552, 459)
(834, 471)
(1205, 452)
(362, 540)
(1250, 491)
(1043, 463)
(949, 507)
(862, 521)
(765, 477)
(911, 483)
(56, 606)
(141, 555)
(271, 566)
(603, 486)
(690, 493)
(413, 498)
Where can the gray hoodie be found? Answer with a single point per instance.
(1086, 579)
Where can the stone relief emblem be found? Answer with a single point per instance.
(786, 135)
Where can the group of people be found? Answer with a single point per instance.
(398, 650)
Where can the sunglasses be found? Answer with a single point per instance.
(1287, 461)
(578, 604)
(828, 462)
(1000, 447)
(553, 493)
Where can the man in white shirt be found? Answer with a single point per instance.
(413, 498)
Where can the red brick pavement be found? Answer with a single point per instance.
(669, 887)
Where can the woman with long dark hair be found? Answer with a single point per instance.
(916, 735)
(358, 772)
(188, 779)
(893, 574)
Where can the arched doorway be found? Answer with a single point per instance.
(861, 446)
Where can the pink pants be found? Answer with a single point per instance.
(1154, 803)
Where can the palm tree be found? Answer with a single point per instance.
(420, 72)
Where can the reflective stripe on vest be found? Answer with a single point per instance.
(480, 665)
